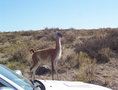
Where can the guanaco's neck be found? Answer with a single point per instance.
(58, 44)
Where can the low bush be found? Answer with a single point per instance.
(16, 66)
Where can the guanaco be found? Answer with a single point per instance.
(48, 55)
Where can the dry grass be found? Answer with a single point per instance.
(87, 54)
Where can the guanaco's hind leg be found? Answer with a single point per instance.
(33, 70)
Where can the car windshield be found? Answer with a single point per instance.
(19, 80)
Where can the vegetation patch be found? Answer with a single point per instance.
(86, 54)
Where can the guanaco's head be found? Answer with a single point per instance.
(59, 35)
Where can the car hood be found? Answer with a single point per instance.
(70, 85)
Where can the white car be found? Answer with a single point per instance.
(10, 80)
(69, 85)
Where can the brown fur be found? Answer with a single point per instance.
(50, 52)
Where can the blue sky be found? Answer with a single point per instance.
(18, 15)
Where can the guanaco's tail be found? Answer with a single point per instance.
(32, 50)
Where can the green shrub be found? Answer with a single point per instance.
(1, 50)
(16, 65)
(82, 59)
